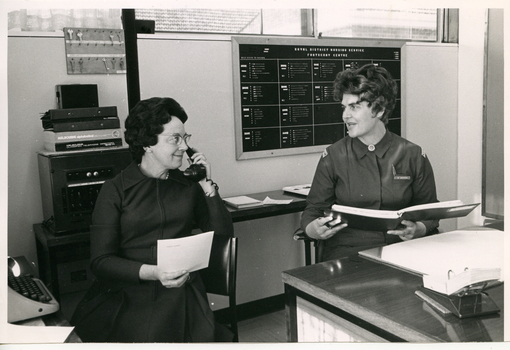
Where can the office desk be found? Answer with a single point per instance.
(297, 205)
(47, 329)
(361, 300)
(56, 319)
(63, 260)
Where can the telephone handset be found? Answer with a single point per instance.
(195, 172)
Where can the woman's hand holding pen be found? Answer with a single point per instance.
(320, 228)
(410, 231)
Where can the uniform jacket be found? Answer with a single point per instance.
(397, 174)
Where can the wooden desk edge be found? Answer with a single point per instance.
(297, 205)
(57, 319)
(382, 322)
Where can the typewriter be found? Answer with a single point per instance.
(27, 296)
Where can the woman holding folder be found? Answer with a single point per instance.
(370, 168)
(132, 298)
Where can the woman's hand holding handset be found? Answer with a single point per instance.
(199, 159)
(209, 187)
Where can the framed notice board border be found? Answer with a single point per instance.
(283, 91)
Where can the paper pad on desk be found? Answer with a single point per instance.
(437, 254)
(241, 202)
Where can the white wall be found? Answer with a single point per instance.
(431, 112)
(471, 59)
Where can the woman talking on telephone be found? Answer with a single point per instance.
(132, 300)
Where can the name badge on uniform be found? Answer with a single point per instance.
(399, 176)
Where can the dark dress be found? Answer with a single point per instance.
(396, 175)
(131, 213)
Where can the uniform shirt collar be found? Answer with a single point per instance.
(381, 147)
(132, 175)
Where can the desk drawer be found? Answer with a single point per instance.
(74, 276)
(315, 324)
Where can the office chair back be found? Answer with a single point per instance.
(299, 235)
(220, 277)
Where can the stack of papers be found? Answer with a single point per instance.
(301, 190)
(268, 201)
(240, 202)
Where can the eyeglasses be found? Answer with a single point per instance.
(176, 139)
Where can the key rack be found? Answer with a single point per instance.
(95, 51)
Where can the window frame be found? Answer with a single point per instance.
(446, 25)
(309, 24)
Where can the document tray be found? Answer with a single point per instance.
(463, 306)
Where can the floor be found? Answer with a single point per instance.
(269, 328)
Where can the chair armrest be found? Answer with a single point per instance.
(299, 234)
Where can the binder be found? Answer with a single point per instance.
(471, 278)
(384, 220)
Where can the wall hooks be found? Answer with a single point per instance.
(85, 44)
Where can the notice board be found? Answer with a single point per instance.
(283, 91)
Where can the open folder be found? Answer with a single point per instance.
(383, 220)
(185, 254)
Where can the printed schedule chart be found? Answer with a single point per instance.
(286, 92)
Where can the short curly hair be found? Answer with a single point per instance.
(372, 84)
(145, 122)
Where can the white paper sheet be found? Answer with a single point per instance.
(32, 334)
(268, 201)
(185, 254)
